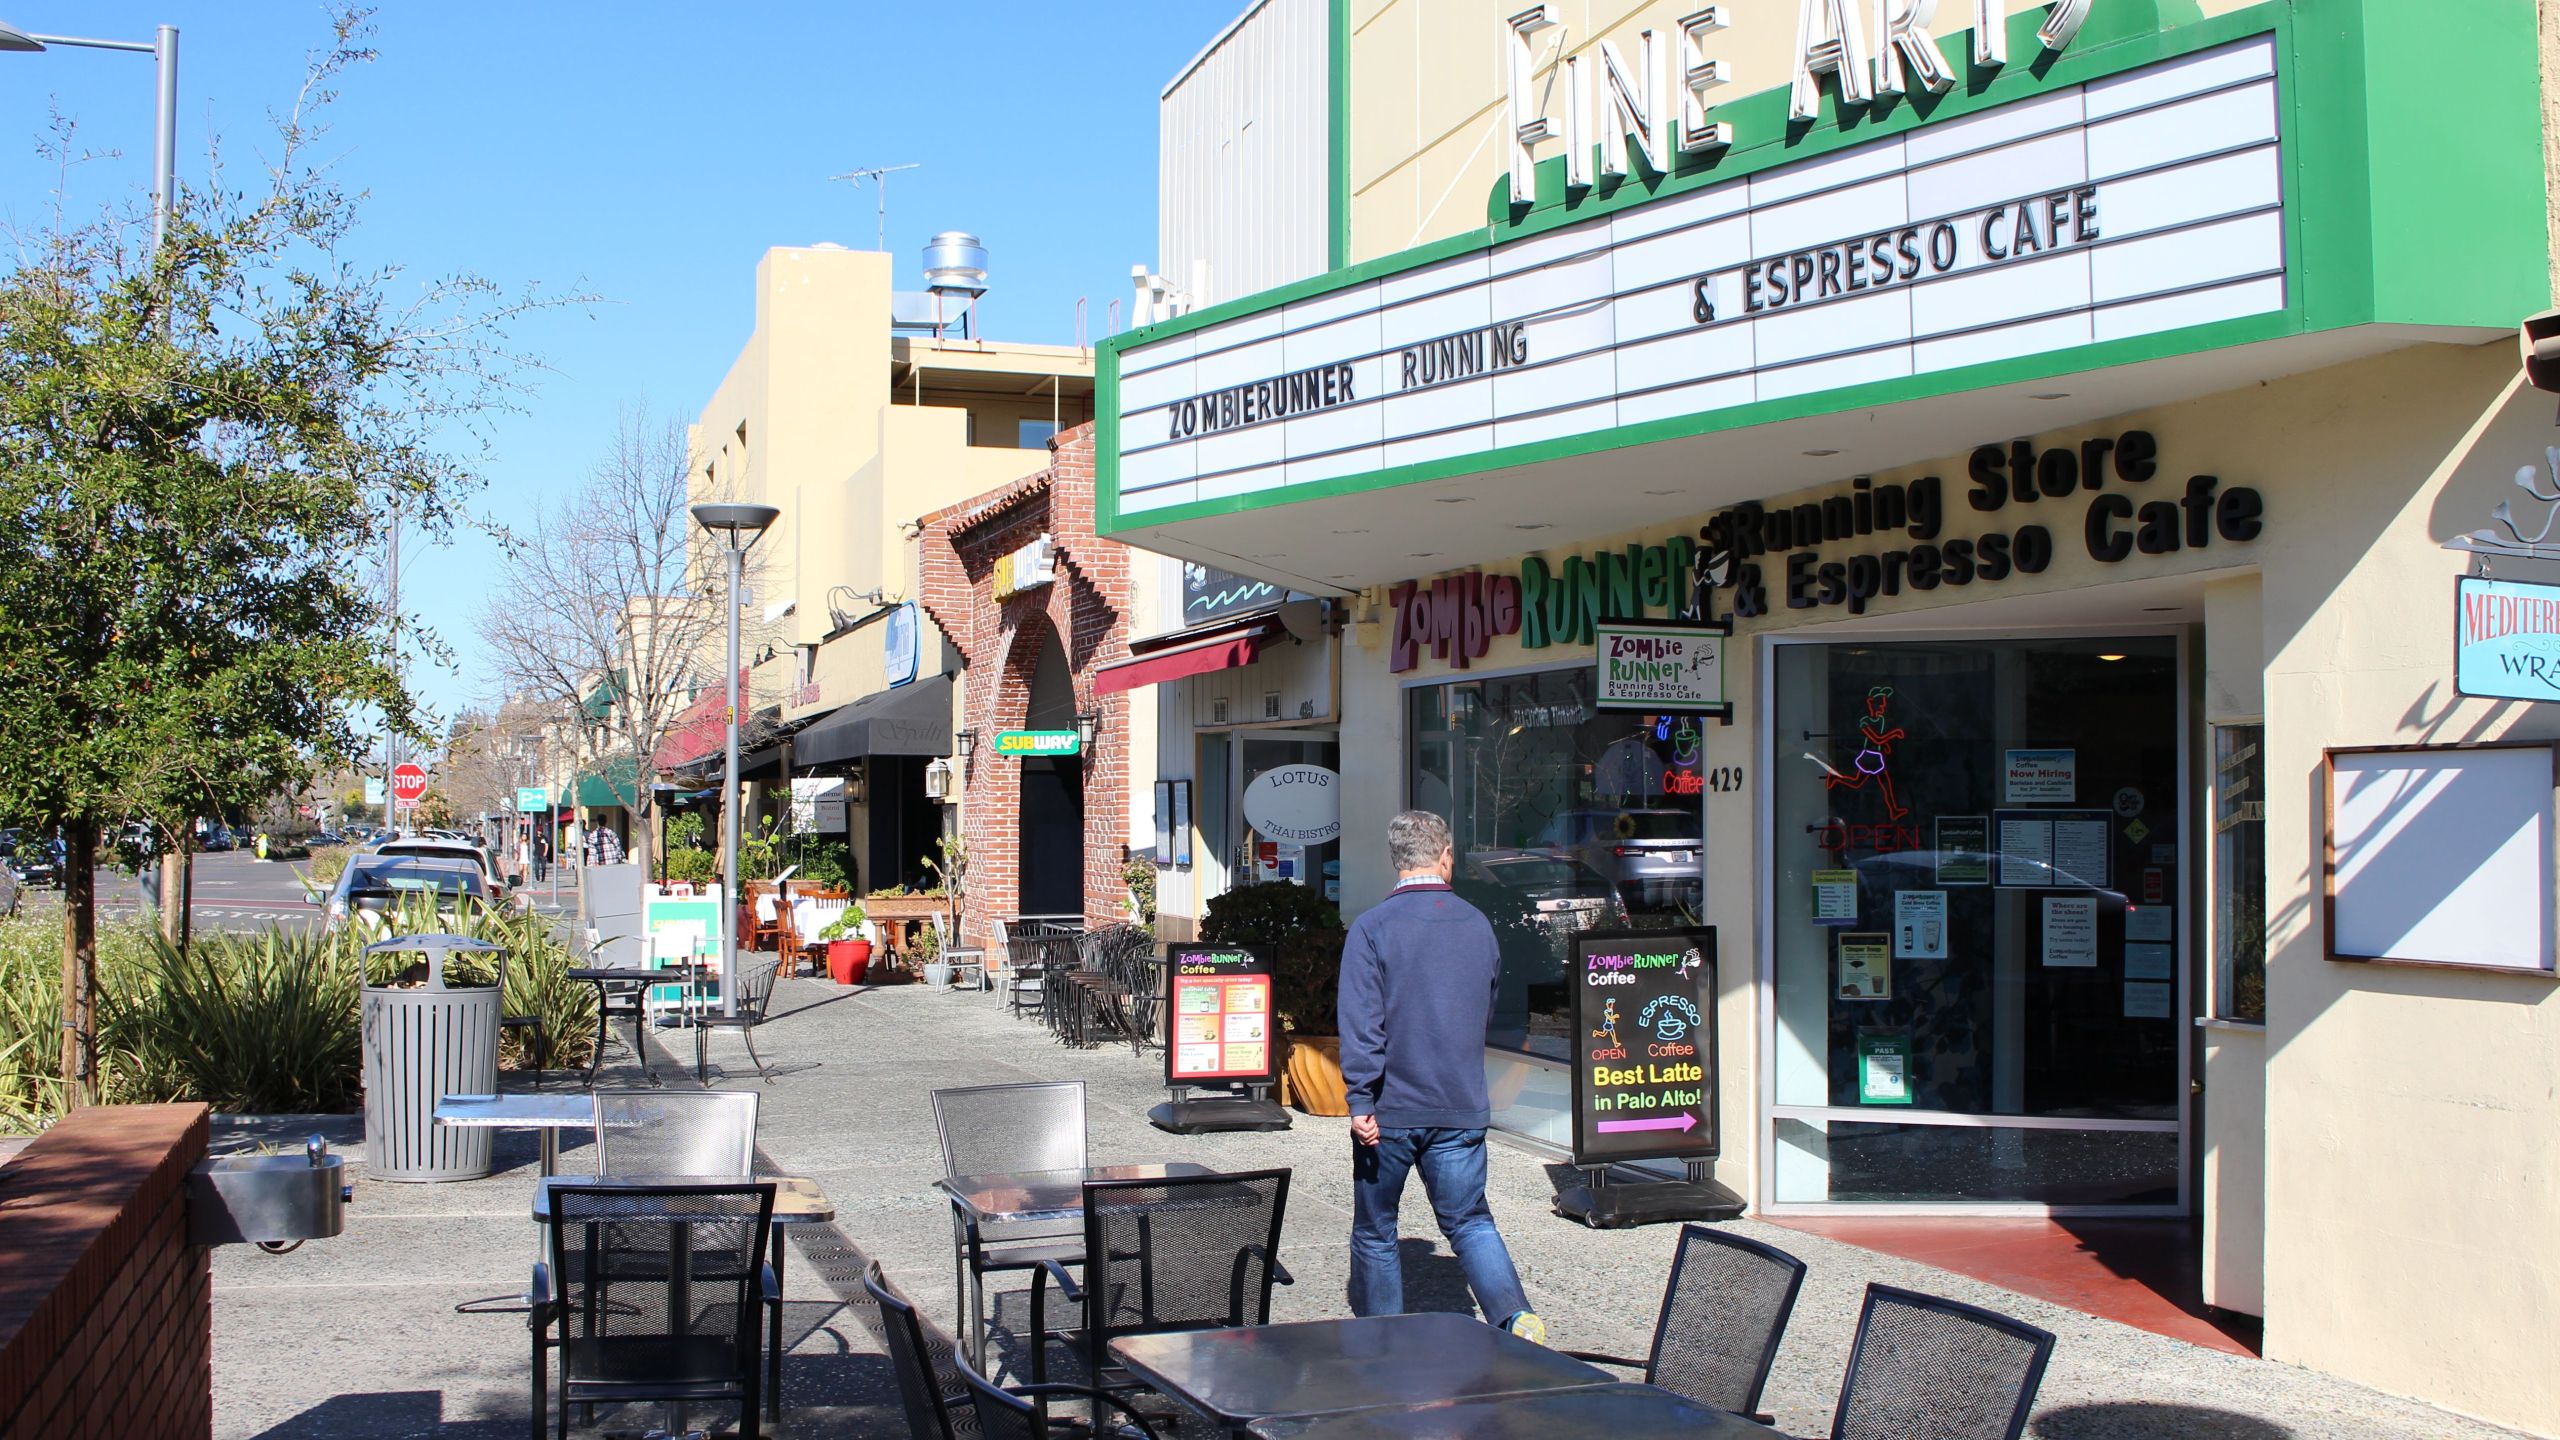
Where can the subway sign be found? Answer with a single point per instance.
(1029, 744)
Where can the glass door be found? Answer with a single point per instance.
(1977, 956)
(1262, 859)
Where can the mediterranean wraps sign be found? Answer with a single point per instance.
(2506, 639)
(1644, 1074)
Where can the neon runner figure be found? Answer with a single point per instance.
(1609, 1022)
(1872, 760)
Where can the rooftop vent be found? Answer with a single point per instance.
(955, 275)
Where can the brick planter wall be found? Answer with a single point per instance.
(106, 1312)
(1087, 609)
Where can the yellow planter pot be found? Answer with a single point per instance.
(1313, 1082)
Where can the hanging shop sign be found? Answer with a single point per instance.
(1295, 804)
(2118, 522)
(2131, 205)
(1209, 593)
(2506, 639)
(1025, 744)
(1644, 1080)
(1221, 1008)
(1028, 568)
(899, 648)
(1657, 668)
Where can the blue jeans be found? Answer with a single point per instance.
(1452, 1165)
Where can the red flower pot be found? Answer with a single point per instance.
(847, 959)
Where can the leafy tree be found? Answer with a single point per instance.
(197, 445)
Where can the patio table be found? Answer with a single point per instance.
(1233, 1378)
(1027, 1196)
(797, 1200)
(549, 1114)
(604, 977)
(1620, 1412)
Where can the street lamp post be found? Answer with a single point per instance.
(740, 527)
(164, 131)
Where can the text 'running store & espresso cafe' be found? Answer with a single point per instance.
(2072, 449)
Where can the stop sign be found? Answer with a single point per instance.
(408, 782)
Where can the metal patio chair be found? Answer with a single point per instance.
(1000, 1129)
(1724, 1310)
(1926, 1366)
(695, 1134)
(1196, 1253)
(652, 1293)
(755, 996)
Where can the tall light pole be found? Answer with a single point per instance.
(740, 527)
(164, 131)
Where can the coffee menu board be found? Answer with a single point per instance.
(1644, 1083)
(1220, 1007)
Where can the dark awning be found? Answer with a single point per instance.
(910, 720)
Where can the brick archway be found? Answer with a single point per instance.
(1086, 607)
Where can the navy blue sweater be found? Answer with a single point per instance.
(1418, 974)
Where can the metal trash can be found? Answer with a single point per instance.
(419, 1046)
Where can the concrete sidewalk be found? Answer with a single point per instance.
(356, 1337)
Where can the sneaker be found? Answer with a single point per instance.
(1528, 1326)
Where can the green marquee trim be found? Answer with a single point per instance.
(2412, 166)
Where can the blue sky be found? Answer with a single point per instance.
(648, 153)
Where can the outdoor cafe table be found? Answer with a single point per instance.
(1618, 1412)
(797, 1200)
(549, 1114)
(1039, 1195)
(1233, 1378)
(603, 977)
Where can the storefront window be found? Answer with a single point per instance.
(1976, 921)
(2240, 872)
(1564, 818)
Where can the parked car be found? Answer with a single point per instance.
(373, 887)
(41, 862)
(456, 850)
(1655, 857)
(1561, 894)
(215, 839)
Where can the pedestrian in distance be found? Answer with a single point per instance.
(1418, 975)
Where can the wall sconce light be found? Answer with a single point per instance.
(1088, 726)
(968, 744)
(937, 780)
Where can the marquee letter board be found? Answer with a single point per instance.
(1644, 1074)
(1220, 1008)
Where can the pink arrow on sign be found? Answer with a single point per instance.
(1686, 1121)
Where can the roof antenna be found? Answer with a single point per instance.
(877, 175)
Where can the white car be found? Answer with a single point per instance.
(460, 851)
(372, 887)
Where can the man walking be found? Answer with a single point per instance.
(1418, 974)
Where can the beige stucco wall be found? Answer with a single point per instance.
(1430, 86)
(2413, 1237)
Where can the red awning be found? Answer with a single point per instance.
(702, 728)
(1224, 650)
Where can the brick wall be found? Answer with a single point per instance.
(106, 1312)
(1087, 609)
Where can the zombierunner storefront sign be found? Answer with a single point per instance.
(1775, 549)
(2130, 205)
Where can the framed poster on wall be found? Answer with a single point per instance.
(2441, 855)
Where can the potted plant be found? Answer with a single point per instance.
(848, 952)
(928, 954)
(1301, 933)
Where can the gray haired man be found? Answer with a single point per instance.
(1418, 975)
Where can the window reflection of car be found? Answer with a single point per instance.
(372, 891)
(1655, 855)
(1560, 894)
